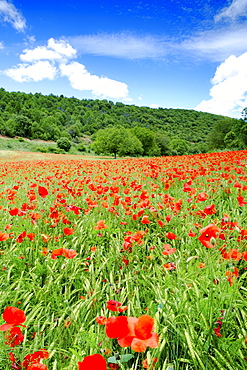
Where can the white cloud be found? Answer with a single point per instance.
(10, 14)
(121, 45)
(52, 61)
(39, 53)
(34, 72)
(54, 50)
(229, 93)
(217, 45)
(1, 45)
(154, 106)
(81, 79)
(61, 47)
(236, 9)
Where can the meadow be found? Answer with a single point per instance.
(124, 264)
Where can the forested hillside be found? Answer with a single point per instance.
(36, 116)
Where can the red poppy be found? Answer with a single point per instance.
(133, 332)
(217, 331)
(207, 233)
(169, 266)
(3, 236)
(191, 233)
(115, 306)
(113, 366)
(34, 359)
(231, 275)
(31, 236)
(145, 220)
(15, 364)
(13, 317)
(37, 366)
(232, 254)
(21, 236)
(100, 225)
(43, 192)
(171, 236)
(14, 337)
(102, 320)
(14, 211)
(68, 231)
(45, 238)
(241, 201)
(168, 250)
(210, 210)
(57, 252)
(69, 253)
(93, 362)
(162, 224)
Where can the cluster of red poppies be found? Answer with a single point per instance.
(14, 318)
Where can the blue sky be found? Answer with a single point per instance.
(188, 54)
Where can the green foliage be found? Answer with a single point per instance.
(231, 134)
(41, 149)
(64, 143)
(81, 147)
(117, 141)
(57, 150)
(9, 128)
(23, 126)
(217, 135)
(179, 146)
(147, 139)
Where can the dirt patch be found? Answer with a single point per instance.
(14, 156)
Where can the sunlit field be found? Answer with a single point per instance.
(124, 264)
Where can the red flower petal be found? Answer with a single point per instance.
(93, 362)
(43, 192)
(13, 315)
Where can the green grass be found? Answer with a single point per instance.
(26, 145)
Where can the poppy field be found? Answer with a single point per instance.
(124, 264)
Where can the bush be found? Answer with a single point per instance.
(55, 150)
(81, 147)
(64, 143)
(41, 149)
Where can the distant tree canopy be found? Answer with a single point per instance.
(154, 131)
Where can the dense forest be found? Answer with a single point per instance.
(139, 130)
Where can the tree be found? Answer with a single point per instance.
(179, 146)
(23, 126)
(64, 143)
(147, 138)
(218, 133)
(50, 128)
(163, 142)
(117, 141)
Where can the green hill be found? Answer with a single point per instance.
(36, 116)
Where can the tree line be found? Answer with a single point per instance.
(131, 130)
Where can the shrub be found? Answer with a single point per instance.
(41, 149)
(64, 143)
(81, 147)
